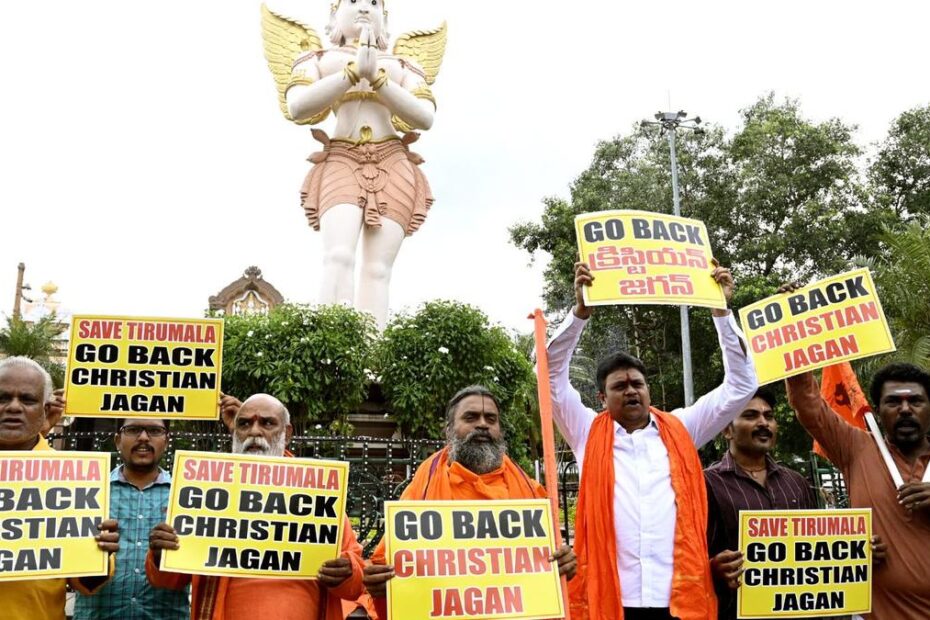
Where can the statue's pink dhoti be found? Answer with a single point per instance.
(382, 178)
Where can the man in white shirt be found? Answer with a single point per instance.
(657, 504)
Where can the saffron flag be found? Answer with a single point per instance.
(840, 389)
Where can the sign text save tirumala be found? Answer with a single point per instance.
(834, 320)
(50, 506)
(639, 257)
(256, 516)
(144, 367)
(487, 559)
(800, 564)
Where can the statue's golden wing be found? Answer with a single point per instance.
(285, 39)
(425, 47)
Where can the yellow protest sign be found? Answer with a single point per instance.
(142, 367)
(471, 560)
(256, 516)
(50, 506)
(835, 320)
(800, 563)
(639, 257)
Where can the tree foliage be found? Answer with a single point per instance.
(903, 279)
(37, 341)
(425, 357)
(316, 360)
(900, 172)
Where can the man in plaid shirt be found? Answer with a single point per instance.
(139, 490)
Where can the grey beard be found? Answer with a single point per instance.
(267, 449)
(477, 456)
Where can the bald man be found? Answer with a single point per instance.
(262, 426)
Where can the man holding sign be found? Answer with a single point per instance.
(640, 530)
(473, 466)
(262, 427)
(747, 478)
(901, 516)
(25, 388)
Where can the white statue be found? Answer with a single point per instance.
(365, 184)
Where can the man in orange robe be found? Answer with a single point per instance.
(262, 426)
(473, 466)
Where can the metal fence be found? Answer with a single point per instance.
(829, 483)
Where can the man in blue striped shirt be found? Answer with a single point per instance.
(139, 490)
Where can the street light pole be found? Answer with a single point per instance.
(670, 122)
(18, 299)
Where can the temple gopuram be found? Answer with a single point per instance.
(250, 294)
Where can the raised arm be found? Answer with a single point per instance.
(571, 416)
(713, 411)
(838, 439)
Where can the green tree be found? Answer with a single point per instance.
(786, 207)
(900, 172)
(316, 360)
(38, 341)
(425, 357)
(903, 279)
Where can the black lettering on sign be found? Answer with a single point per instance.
(409, 526)
(26, 560)
(253, 559)
(54, 498)
(596, 231)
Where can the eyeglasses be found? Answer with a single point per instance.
(132, 430)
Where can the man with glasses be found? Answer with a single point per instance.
(139, 491)
(139, 495)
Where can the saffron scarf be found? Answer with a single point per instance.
(595, 592)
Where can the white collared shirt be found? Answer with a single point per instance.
(644, 501)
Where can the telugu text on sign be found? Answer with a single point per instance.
(639, 257)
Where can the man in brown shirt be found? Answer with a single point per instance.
(747, 478)
(901, 517)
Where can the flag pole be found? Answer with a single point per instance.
(886, 455)
(548, 436)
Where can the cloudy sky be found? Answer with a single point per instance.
(145, 164)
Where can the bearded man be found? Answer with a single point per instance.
(262, 426)
(473, 466)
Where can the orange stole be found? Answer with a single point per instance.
(595, 593)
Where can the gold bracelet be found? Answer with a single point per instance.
(380, 81)
(351, 73)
